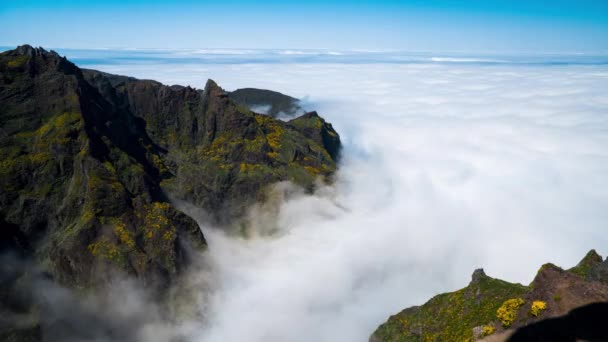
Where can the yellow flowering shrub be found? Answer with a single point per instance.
(487, 330)
(124, 234)
(106, 249)
(155, 219)
(248, 168)
(159, 164)
(507, 312)
(537, 307)
(274, 137)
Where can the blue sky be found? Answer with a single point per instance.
(557, 26)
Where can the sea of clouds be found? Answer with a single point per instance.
(447, 166)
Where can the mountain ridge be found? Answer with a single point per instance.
(88, 161)
(494, 310)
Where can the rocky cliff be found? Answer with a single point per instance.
(88, 161)
(492, 309)
(219, 153)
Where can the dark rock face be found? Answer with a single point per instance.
(221, 154)
(477, 276)
(493, 309)
(585, 323)
(315, 128)
(87, 160)
(80, 179)
(591, 266)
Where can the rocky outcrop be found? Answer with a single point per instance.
(493, 309)
(221, 154)
(314, 127)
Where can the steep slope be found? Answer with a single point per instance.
(495, 308)
(80, 196)
(79, 180)
(87, 160)
(222, 154)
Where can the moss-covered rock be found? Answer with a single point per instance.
(87, 159)
(75, 172)
(584, 267)
(222, 156)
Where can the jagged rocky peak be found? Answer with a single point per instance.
(591, 258)
(212, 89)
(477, 275)
(30, 51)
(592, 267)
(34, 60)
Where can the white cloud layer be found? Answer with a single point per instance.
(446, 168)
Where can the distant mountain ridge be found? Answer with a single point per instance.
(275, 102)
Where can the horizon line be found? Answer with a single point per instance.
(6, 47)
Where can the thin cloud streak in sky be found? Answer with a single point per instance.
(446, 168)
(86, 57)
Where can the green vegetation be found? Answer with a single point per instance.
(81, 174)
(240, 166)
(310, 121)
(108, 250)
(87, 161)
(451, 316)
(488, 305)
